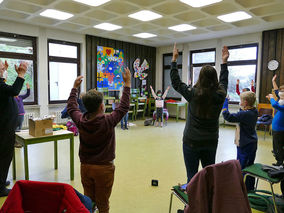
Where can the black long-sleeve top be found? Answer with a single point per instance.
(201, 132)
(8, 106)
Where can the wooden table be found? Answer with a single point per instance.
(24, 138)
(178, 105)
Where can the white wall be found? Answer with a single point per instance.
(42, 35)
(214, 43)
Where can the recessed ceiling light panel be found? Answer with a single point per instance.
(145, 35)
(200, 3)
(56, 14)
(107, 26)
(182, 27)
(236, 16)
(145, 15)
(1, 1)
(93, 3)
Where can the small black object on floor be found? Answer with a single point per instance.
(155, 182)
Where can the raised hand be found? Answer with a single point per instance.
(225, 54)
(274, 78)
(269, 96)
(168, 87)
(78, 82)
(252, 83)
(238, 81)
(126, 75)
(175, 53)
(22, 69)
(28, 86)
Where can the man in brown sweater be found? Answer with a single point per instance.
(97, 140)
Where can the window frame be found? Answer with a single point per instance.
(199, 64)
(244, 62)
(62, 60)
(179, 66)
(24, 56)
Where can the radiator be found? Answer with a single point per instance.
(26, 119)
(58, 119)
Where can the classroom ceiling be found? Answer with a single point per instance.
(266, 15)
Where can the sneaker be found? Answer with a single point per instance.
(278, 163)
(5, 192)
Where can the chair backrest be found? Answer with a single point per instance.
(265, 109)
(103, 90)
(135, 93)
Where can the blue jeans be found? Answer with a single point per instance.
(125, 119)
(246, 157)
(192, 156)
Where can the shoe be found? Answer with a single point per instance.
(5, 192)
(180, 211)
(278, 163)
(7, 183)
(126, 128)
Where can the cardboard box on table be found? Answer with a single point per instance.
(42, 127)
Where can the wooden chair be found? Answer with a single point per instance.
(141, 105)
(265, 109)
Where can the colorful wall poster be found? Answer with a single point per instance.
(139, 70)
(109, 68)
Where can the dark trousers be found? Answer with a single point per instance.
(125, 119)
(192, 156)
(246, 157)
(20, 121)
(159, 114)
(7, 141)
(278, 144)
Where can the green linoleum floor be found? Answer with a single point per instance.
(142, 154)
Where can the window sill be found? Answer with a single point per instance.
(32, 106)
(57, 105)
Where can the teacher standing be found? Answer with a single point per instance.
(205, 100)
(8, 121)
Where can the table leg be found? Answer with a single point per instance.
(55, 155)
(177, 113)
(26, 162)
(14, 165)
(72, 157)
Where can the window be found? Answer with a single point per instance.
(167, 59)
(63, 68)
(242, 65)
(16, 49)
(199, 58)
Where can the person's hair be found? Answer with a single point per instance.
(246, 89)
(92, 100)
(207, 83)
(249, 97)
(281, 88)
(159, 92)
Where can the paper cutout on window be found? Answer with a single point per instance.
(139, 70)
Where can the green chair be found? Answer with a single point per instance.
(256, 171)
(141, 105)
(132, 110)
(151, 105)
(181, 195)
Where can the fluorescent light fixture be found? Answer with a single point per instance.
(200, 3)
(144, 35)
(107, 26)
(182, 27)
(236, 16)
(93, 3)
(8, 39)
(56, 14)
(1, 1)
(145, 15)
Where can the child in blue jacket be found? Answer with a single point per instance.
(278, 126)
(246, 137)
